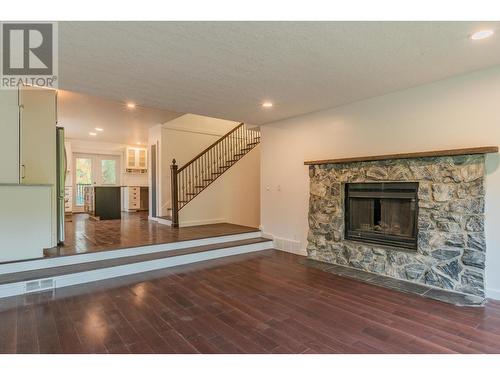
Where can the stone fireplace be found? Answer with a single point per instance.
(419, 219)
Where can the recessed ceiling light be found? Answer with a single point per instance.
(99, 129)
(267, 104)
(131, 105)
(92, 134)
(482, 34)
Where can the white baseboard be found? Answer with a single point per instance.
(163, 221)
(189, 223)
(160, 220)
(286, 244)
(493, 294)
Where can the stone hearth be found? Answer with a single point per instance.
(451, 242)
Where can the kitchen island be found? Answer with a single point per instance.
(103, 202)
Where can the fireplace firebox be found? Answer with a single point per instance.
(382, 213)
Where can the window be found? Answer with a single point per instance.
(93, 169)
(108, 172)
(83, 177)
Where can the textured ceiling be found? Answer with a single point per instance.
(226, 69)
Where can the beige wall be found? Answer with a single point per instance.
(459, 112)
(233, 198)
(182, 139)
(181, 146)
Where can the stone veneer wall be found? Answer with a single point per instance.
(451, 240)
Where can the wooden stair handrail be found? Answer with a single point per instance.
(191, 179)
(210, 147)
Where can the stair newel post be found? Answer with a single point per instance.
(174, 188)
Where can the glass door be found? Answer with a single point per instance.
(107, 170)
(83, 176)
(93, 169)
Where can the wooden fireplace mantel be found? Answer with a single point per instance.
(424, 154)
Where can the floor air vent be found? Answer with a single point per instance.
(39, 285)
(285, 244)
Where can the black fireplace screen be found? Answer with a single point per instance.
(382, 213)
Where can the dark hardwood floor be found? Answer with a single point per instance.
(265, 302)
(134, 229)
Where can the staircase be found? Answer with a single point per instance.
(192, 178)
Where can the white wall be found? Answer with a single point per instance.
(459, 112)
(182, 139)
(233, 198)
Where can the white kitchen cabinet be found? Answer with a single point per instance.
(68, 199)
(37, 136)
(9, 139)
(134, 198)
(27, 172)
(131, 198)
(137, 159)
(28, 141)
(27, 227)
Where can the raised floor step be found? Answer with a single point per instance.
(100, 264)
(118, 264)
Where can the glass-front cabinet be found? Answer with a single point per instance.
(137, 160)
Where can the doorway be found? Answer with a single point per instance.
(93, 169)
